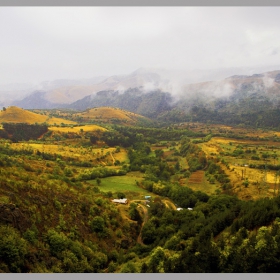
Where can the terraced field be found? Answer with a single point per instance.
(198, 182)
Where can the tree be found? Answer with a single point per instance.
(98, 181)
(93, 139)
(129, 268)
(148, 233)
(120, 195)
(159, 153)
(156, 258)
(13, 249)
(246, 183)
(177, 166)
(97, 224)
(134, 213)
(58, 242)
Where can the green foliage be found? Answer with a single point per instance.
(148, 233)
(58, 242)
(97, 224)
(13, 249)
(134, 213)
(57, 222)
(23, 131)
(97, 173)
(129, 268)
(57, 205)
(156, 260)
(98, 181)
(94, 139)
(31, 236)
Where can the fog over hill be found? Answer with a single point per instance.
(180, 84)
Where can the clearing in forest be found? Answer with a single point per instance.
(198, 182)
(125, 184)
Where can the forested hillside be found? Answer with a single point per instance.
(201, 198)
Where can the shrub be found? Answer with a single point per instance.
(13, 248)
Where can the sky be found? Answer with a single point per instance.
(49, 43)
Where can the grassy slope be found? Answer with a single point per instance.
(108, 113)
(18, 115)
(125, 184)
(85, 128)
(216, 146)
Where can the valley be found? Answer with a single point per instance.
(211, 190)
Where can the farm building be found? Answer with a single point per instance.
(147, 197)
(179, 209)
(120, 201)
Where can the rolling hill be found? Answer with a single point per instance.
(110, 115)
(134, 100)
(238, 99)
(14, 114)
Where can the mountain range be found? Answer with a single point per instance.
(162, 94)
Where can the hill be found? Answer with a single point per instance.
(238, 99)
(110, 115)
(136, 100)
(14, 114)
(233, 93)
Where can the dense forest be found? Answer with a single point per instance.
(23, 131)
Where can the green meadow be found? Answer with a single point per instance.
(125, 184)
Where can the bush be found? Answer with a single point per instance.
(58, 242)
(13, 249)
(97, 224)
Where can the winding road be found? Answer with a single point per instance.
(143, 213)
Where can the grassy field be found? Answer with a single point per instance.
(80, 153)
(109, 114)
(125, 184)
(76, 129)
(198, 182)
(16, 115)
(261, 182)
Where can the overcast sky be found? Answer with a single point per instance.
(47, 43)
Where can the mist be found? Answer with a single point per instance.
(75, 43)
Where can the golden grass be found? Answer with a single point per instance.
(260, 185)
(79, 153)
(17, 115)
(85, 128)
(108, 113)
(52, 121)
(121, 156)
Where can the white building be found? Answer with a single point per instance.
(121, 200)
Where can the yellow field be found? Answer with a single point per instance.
(261, 182)
(197, 182)
(52, 121)
(85, 128)
(109, 113)
(104, 113)
(79, 153)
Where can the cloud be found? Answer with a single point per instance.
(47, 43)
(268, 82)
